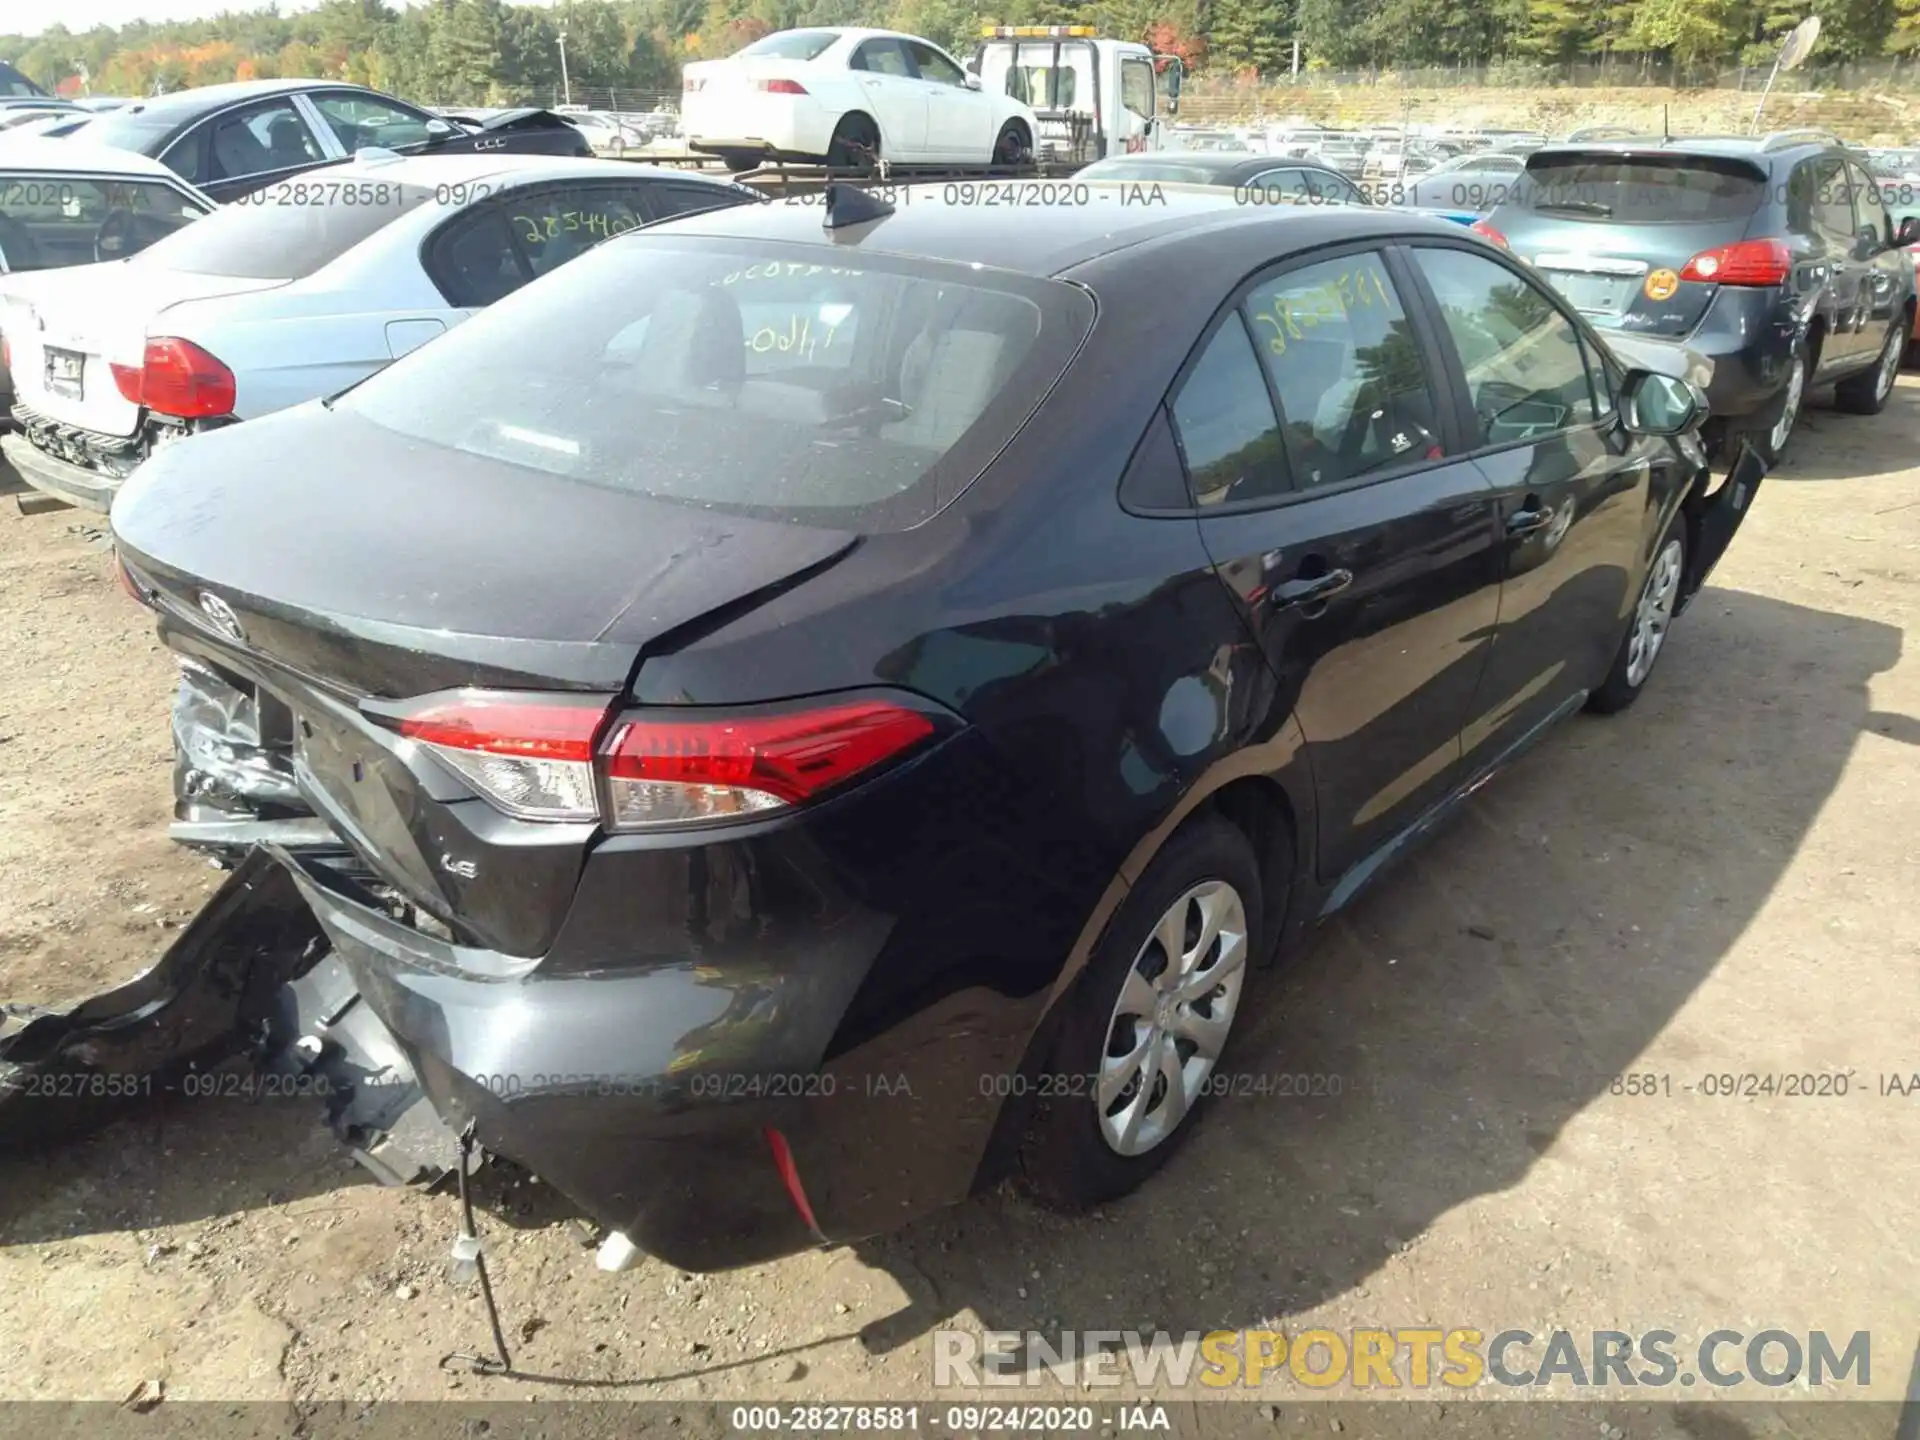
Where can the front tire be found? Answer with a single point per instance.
(1867, 392)
(1649, 625)
(1147, 1021)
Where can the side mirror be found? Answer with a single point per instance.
(1908, 233)
(1656, 404)
(973, 80)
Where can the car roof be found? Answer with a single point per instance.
(955, 224)
(1739, 147)
(1226, 166)
(39, 153)
(183, 105)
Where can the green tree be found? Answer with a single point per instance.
(1252, 34)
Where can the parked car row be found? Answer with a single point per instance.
(786, 714)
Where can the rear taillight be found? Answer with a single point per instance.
(664, 770)
(125, 577)
(550, 757)
(690, 83)
(1747, 262)
(780, 87)
(530, 756)
(126, 379)
(1480, 227)
(6, 354)
(177, 377)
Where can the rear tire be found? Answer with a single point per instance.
(1777, 429)
(855, 144)
(1649, 625)
(1867, 392)
(1107, 1115)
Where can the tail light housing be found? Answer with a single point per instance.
(176, 377)
(1746, 262)
(1480, 227)
(6, 355)
(563, 758)
(690, 83)
(780, 87)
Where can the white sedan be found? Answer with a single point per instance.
(294, 293)
(850, 98)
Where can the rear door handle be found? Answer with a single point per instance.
(1311, 590)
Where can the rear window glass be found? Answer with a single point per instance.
(288, 230)
(1639, 190)
(51, 221)
(792, 45)
(1170, 171)
(132, 130)
(793, 382)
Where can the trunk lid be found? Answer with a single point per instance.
(1612, 228)
(335, 565)
(67, 328)
(385, 566)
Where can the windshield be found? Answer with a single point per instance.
(1640, 190)
(272, 235)
(791, 45)
(795, 382)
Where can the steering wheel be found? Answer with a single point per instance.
(18, 249)
(115, 238)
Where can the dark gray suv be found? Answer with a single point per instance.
(1773, 256)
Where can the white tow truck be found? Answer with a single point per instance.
(1093, 96)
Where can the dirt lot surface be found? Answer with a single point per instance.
(1723, 881)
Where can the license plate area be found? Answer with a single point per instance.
(65, 373)
(1594, 294)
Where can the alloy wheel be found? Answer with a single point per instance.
(1654, 613)
(1790, 408)
(1889, 363)
(1171, 1019)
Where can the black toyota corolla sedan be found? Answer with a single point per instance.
(788, 722)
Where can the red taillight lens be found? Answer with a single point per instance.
(1480, 227)
(530, 756)
(535, 756)
(781, 87)
(179, 378)
(663, 770)
(1749, 262)
(6, 354)
(128, 380)
(691, 83)
(125, 577)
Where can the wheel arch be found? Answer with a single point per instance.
(1273, 808)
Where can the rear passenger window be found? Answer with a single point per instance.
(1525, 370)
(1225, 423)
(553, 227)
(1832, 200)
(1344, 362)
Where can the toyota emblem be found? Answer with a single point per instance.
(221, 614)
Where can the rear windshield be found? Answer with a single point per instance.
(48, 222)
(1640, 190)
(131, 129)
(1170, 171)
(793, 382)
(792, 45)
(288, 230)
